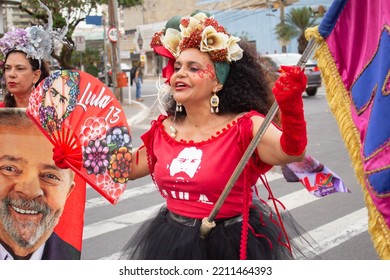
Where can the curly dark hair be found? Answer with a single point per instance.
(9, 100)
(248, 86)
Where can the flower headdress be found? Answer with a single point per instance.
(36, 41)
(200, 31)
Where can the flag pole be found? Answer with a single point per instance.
(208, 223)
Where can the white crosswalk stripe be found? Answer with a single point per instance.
(327, 236)
(119, 222)
(128, 193)
(330, 234)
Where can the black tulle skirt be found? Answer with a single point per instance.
(165, 237)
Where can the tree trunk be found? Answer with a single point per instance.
(302, 43)
(65, 58)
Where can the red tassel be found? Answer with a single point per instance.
(245, 222)
(279, 221)
(59, 156)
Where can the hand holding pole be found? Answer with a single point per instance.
(208, 222)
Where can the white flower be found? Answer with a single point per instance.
(193, 24)
(213, 40)
(203, 33)
(201, 16)
(171, 41)
(234, 50)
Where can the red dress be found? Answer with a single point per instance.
(191, 176)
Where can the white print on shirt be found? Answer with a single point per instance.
(203, 198)
(184, 196)
(188, 161)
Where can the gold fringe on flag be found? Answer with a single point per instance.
(340, 105)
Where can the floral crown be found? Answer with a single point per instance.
(36, 41)
(200, 31)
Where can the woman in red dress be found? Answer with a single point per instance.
(218, 96)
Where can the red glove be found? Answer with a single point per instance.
(288, 91)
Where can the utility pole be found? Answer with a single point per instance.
(113, 36)
(105, 48)
(281, 5)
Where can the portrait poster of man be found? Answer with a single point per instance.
(41, 205)
(45, 164)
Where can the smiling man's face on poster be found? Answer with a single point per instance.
(33, 190)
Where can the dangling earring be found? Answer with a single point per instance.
(172, 128)
(214, 102)
(179, 107)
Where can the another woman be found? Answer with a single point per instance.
(22, 58)
(219, 95)
(21, 75)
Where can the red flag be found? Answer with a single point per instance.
(353, 54)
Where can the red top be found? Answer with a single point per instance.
(192, 175)
(2, 105)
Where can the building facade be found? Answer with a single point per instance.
(253, 19)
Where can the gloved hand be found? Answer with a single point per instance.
(290, 85)
(288, 91)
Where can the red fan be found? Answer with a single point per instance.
(88, 128)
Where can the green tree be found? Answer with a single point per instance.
(75, 10)
(90, 58)
(284, 34)
(296, 22)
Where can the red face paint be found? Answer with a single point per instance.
(208, 73)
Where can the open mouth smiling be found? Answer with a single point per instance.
(24, 211)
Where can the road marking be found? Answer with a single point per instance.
(330, 235)
(148, 188)
(292, 200)
(128, 193)
(297, 199)
(119, 222)
(327, 236)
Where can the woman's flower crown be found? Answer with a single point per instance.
(36, 41)
(198, 31)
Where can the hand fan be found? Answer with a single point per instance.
(88, 128)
